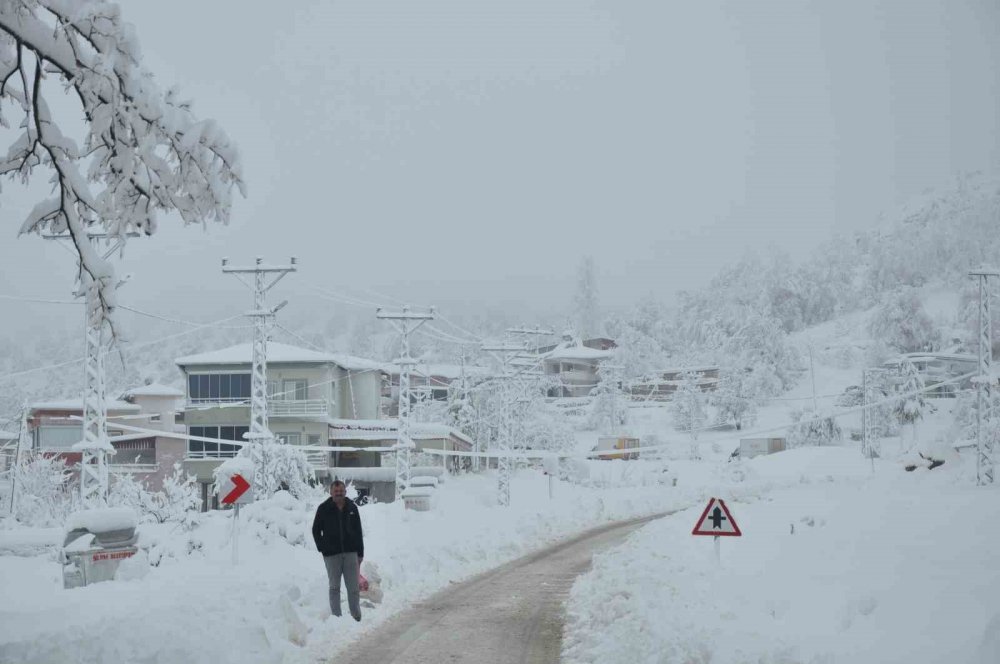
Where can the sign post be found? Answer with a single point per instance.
(717, 522)
(236, 491)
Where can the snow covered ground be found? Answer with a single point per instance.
(845, 566)
(194, 605)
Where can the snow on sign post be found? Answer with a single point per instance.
(717, 522)
(235, 490)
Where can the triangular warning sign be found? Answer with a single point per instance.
(716, 520)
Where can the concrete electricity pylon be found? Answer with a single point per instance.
(984, 404)
(264, 279)
(95, 448)
(406, 322)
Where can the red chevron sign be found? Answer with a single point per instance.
(239, 487)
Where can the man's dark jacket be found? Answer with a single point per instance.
(338, 530)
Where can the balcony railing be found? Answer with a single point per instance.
(298, 407)
(134, 467)
(318, 460)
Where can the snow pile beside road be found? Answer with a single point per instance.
(892, 567)
(194, 605)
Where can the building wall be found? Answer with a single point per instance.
(358, 394)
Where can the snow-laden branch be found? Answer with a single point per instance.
(144, 151)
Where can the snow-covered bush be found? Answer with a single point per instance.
(176, 502)
(811, 428)
(42, 494)
(277, 466)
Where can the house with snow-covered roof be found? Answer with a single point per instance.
(305, 389)
(428, 381)
(573, 365)
(148, 454)
(316, 399)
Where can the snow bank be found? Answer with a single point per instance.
(103, 520)
(273, 606)
(895, 567)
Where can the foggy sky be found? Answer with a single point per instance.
(468, 153)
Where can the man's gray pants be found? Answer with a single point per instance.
(346, 565)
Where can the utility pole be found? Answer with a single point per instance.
(95, 446)
(812, 374)
(406, 322)
(984, 404)
(870, 442)
(264, 279)
(505, 353)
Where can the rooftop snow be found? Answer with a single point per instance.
(575, 352)
(154, 390)
(278, 353)
(77, 404)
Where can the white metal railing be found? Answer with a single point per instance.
(213, 454)
(134, 467)
(298, 407)
(318, 460)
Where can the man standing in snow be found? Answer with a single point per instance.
(337, 532)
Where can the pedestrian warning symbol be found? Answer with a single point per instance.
(716, 520)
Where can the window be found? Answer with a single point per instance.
(291, 438)
(439, 394)
(210, 449)
(58, 437)
(294, 390)
(219, 387)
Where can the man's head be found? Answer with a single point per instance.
(338, 490)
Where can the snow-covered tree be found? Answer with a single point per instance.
(812, 428)
(610, 408)
(902, 323)
(143, 151)
(735, 398)
(911, 404)
(637, 353)
(585, 301)
(277, 466)
(688, 405)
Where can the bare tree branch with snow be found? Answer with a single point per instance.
(143, 152)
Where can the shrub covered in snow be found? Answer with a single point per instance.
(42, 495)
(812, 428)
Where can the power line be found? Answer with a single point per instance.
(38, 300)
(130, 346)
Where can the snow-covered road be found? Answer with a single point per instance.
(511, 615)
